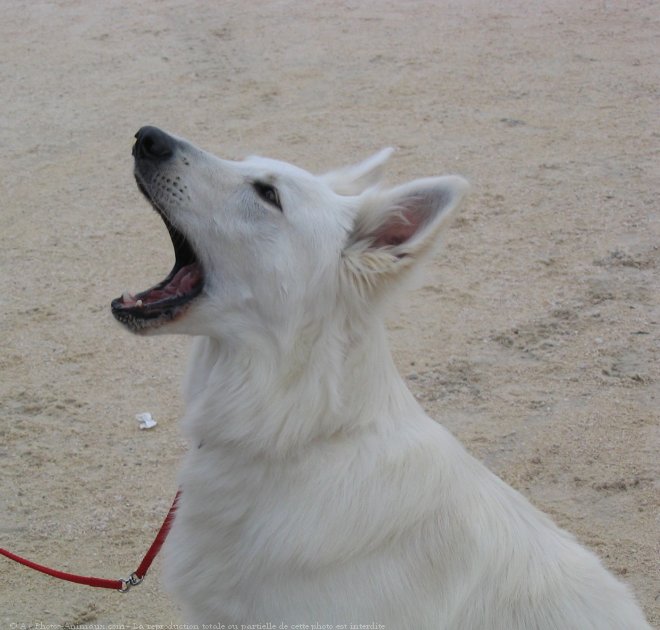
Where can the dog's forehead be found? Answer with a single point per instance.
(258, 166)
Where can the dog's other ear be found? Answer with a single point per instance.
(355, 179)
(395, 228)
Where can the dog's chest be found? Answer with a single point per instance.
(251, 515)
(243, 535)
(253, 537)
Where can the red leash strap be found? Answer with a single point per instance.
(80, 579)
(120, 585)
(152, 552)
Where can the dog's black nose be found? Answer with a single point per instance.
(153, 144)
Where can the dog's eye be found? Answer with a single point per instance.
(268, 193)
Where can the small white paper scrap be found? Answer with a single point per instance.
(145, 420)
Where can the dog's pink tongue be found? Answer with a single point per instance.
(183, 282)
(186, 279)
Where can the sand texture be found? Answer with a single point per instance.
(534, 336)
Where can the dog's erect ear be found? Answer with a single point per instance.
(355, 179)
(395, 228)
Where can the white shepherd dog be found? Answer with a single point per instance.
(316, 490)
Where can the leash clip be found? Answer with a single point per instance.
(128, 583)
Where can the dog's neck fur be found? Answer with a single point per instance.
(274, 402)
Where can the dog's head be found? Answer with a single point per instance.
(263, 248)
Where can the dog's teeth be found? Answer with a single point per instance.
(138, 303)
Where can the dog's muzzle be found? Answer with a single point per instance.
(170, 298)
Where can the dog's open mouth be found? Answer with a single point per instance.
(170, 298)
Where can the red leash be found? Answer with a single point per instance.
(120, 585)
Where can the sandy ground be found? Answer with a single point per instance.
(534, 336)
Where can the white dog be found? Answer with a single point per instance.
(316, 490)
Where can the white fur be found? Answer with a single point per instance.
(316, 489)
